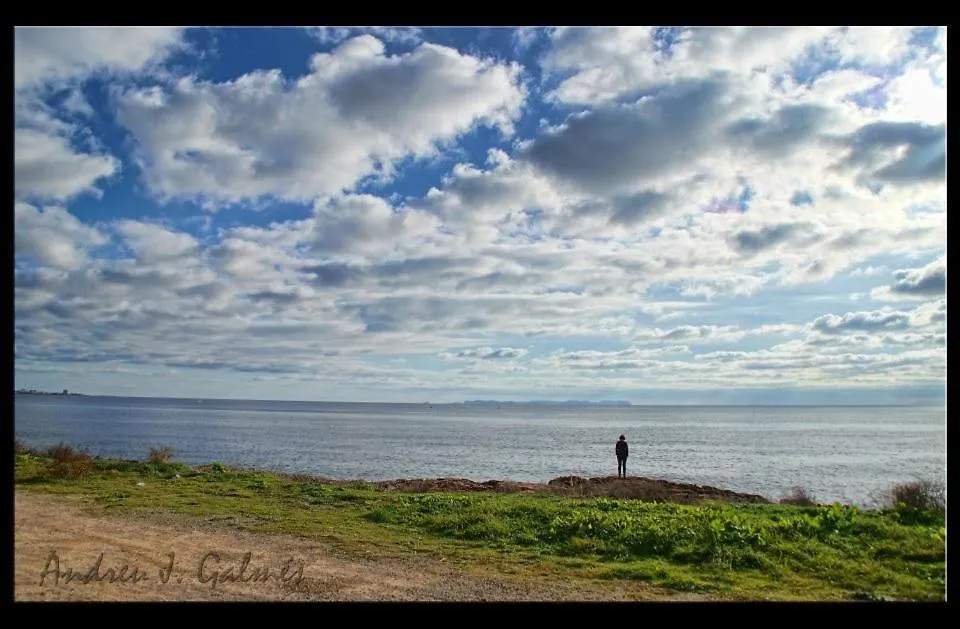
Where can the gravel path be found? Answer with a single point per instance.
(51, 528)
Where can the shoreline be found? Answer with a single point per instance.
(643, 488)
(633, 487)
(601, 538)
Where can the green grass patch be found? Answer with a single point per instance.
(778, 551)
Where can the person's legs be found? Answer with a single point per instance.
(620, 467)
(624, 467)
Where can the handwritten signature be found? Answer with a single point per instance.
(210, 569)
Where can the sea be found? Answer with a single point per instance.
(849, 454)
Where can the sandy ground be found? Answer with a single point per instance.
(51, 529)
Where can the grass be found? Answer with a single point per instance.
(778, 551)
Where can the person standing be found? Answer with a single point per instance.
(622, 450)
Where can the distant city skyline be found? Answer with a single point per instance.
(683, 215)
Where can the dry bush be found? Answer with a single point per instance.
(71, 469)
(68, 462)
(62, 453)
(159, 455)
(21, 448)
(920, 494)
(800, 497)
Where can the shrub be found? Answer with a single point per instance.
(159, 455)
(800, 497)
(69, 463)
(218, 468)
(921, 494)
(71, 469)
(62, 453)
(20, 447)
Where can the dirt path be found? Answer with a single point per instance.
(54, 526)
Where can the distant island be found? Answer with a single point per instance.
(36, 392)
(614, 403)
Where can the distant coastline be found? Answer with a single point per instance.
(616, 403)
(549, 403)
(65, 392)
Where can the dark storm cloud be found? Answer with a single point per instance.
(621, 144)
(275, 297)
(752, 242)
(333, 274)
(924, 159)
(783, 132)
(626, 210)
(929, 281)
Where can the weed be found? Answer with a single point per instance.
(800, 497)
(160, 455)
(68, 462)
(920, 494)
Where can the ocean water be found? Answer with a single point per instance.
(846, 454)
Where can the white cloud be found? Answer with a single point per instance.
(76, 103)
(46, 166)
(400, 35)
(155, 243)
(626, 233)
(487, 353)
(923, 283)
(57, 54)
(611, 63)
(355, 114)
(53, 236)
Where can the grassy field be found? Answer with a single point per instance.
(780, 552)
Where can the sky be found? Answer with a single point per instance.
(683, 215)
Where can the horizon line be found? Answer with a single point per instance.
(582, 404)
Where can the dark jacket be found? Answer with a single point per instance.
(622, 449)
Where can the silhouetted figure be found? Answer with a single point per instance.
(622, 451)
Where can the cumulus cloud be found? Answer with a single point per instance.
(76, 103)
(357, 112)
(861, 322)
(606, 64)
(335, 35)
(49, 164)
(749, 242)
(46, 166)
(691, 334)
(621, 146)
(898, 153)
(59, 54)
(781, 133)
(923, 283)
(155, 243)
(668, 190)
(489, 353)
(53, 236)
